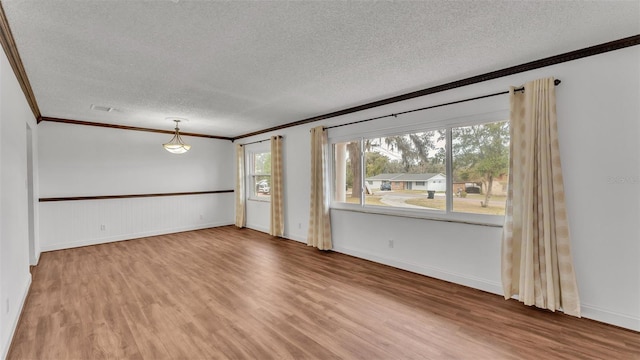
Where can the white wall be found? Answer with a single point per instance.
(599, 129)
(15, 278)
(80, 160)
(255, 211)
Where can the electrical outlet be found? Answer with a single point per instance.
(299, 225)
(391, 243)
(201, 217)
(103, 227)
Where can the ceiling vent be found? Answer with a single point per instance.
(101, 108)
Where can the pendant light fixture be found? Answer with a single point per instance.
(176, 145)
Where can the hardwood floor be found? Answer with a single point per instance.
(241, 294)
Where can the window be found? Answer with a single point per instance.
(347, 183)
(417, 172)
(259, 174)
(400, 166)
(480, 163)
(397, 170)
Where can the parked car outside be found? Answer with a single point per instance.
(263, 187)
(472, 190)
(385, 186)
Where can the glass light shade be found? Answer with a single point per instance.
(177, 148)
(176, 145)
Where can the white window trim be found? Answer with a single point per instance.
(439, 215)
(250, 151)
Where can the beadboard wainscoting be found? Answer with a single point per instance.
(69, 224)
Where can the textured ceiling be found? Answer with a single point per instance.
(237, 67)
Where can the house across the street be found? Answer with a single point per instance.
(400, 181)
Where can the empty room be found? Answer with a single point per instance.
(319, 179)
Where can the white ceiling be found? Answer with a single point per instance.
(238, 67)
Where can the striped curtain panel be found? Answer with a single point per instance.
(239, 189)
(536, 252)
(277, 209)
(319, 220)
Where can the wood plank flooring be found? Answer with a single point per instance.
(240, 294)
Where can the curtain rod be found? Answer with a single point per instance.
(556, 82)
(259, 141)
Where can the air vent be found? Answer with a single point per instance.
(101, 108)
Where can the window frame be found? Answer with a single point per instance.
(442, 215)
(251, 174)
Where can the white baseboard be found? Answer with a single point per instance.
(14, 323)
(610, 317)
(258, 228)
(296, 237)
(473, 282)
(122, 237)
(37, 260)
(588, 311)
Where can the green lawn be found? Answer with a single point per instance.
(437, 203)
(369, 200)
(470, 204)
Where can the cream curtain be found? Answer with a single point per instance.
(277, 219)
(239, 190)
(536, 254)
(319, 220)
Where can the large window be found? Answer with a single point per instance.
(448, 171)
(259, 175)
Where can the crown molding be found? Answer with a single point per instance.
(124, 127)
(11, 50)
(536, 64)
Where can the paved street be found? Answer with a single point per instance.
(395, 199)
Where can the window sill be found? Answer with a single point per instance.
(461, 218)
(259, 200)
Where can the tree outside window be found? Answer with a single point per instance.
(481, 162)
